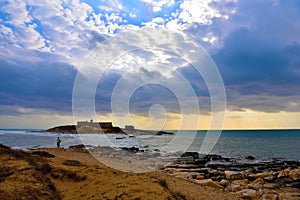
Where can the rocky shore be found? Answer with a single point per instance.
(246, 178)
(276, 179)
(44, 173)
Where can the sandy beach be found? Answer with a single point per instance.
(75, 174)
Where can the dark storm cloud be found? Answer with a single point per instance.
(257, 53)
(260, 56)
(246, 61)
(104, 92)
(142, 98)
(195, 80)
(150, 94)
(37, 85)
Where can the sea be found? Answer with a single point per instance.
(264, 145)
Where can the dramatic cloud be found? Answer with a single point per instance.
(28, 86)
(259, 58)
(255, 44)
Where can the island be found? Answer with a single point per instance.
(84, 127)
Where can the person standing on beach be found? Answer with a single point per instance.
(58, 141)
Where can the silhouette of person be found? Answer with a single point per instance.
(58, 141)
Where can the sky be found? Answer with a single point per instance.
(255, 46)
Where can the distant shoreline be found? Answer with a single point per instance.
(275, 129)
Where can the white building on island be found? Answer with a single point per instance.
(94, 124)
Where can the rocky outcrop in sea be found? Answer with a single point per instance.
(73, 129)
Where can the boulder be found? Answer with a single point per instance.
(131, 149)
(194, 155)
(78, 146)
(210, 157)
(250, 157)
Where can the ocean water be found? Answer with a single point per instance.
(262, 144)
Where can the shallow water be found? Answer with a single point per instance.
(263, 144)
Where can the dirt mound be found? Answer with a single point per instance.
(23, 176)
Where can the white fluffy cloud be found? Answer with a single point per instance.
(191, 13)
(67, 28)
(18, 12)
(60, 27)
(111, 5)
(197, 11)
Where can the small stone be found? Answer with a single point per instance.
(203, 182)
(248, 193)
(215, 185)
(261, 175)
(224, 182)
(270, 196)
(200, 177)
(275, 197)
(233, 175)
(260, 192)
(209, 182)
(258, 181)
(234, 188)
(284, 173)
(270, 185)
(270, 178)
(295, 174)
(296, 184)
(241, 182)
(257, 186)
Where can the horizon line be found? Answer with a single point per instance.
(246, 129)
